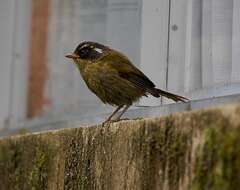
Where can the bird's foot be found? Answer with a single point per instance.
(124, 119)
(108, 122)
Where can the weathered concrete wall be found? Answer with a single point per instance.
(192, 150)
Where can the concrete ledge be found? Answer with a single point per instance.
(70, 120)
(191, 150)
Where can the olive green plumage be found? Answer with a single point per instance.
(105, 80)
(112, 77)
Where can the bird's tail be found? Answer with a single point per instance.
(157, 93)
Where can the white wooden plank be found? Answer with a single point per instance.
(91, 19)
(59, 88)
(19, 72)
(154, 44)
(193, 78)
(236, 42)
(123, 27)
(72, 22)
(222, 40)
(7, 16)
(177, 46)
(207, 65)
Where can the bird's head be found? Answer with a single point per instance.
(88, 52)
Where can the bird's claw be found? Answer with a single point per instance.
(108, 122)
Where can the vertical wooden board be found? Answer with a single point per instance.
(123, 27)
(91, 19)
(222, 40)
(20, 61)
(193, 74)
(7, 16)
(177, 46)
(71, 23)
(236, 42)
(154, 44)
(59, 89)
(206, 55)
(62, 71)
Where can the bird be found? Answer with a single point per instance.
(112, 77)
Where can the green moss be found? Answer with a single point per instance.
(163, 153)
(84, 149)
(138, 155)
(76, 169)
(25, 163)
(218, 164)
(22, 131)
(38, 173)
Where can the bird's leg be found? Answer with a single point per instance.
(123, 111)
(110, 117)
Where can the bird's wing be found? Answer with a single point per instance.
(125, 69)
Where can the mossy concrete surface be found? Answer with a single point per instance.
(192, 150)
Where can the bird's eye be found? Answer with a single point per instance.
(84, 53)
(90, 53)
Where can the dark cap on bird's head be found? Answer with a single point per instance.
(88, 51)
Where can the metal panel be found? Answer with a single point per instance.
(222, 40)
(200, 48)
(13, 52)
(206, 40)
(76, 21)
(193, 72)
(236, 42)
(7, 16)
(71, 22)
(154, 44)
(19, 73)
(123, 27)
(177, 46)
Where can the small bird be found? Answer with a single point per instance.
(113, 78)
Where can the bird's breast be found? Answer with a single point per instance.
(110, 87)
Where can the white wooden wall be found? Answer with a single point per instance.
(190, 47)
(112, 22)
(154, 44)
(203, 50)
(14, 19)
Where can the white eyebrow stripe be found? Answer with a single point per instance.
(98, 50)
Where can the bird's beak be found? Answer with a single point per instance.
(72, 56)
